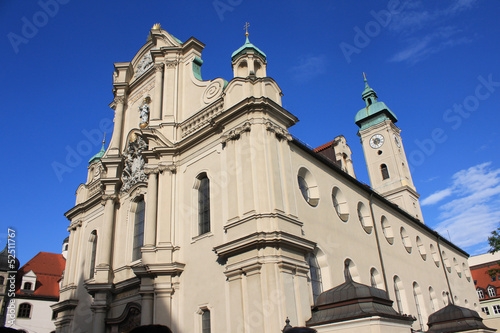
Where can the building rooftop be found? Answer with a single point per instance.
(48, 268)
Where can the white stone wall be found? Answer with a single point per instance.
(41, 316)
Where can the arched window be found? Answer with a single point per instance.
(140, 208)
(374, 278)
(205, 321)
(203, 204)
(314, 275)
(480, 293)
(398, 290)
(417, 295)
(491, 291)
(433, 299)
(93, 251)
(384, 171)
(24, 310)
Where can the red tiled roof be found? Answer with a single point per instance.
(48, 268)
(483, 279)
(323, 147)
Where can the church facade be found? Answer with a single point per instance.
(205, 215)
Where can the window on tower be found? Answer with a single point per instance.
(384, 171)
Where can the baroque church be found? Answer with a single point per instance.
(205, 215)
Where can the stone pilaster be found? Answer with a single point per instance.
(105, 239)
(157, 99)
(116, 140)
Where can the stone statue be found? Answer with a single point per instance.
(144, 112)
(133, 171)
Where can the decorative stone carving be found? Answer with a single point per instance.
(213, 91)
(140, 92)
(235, 133)
(170, 167)
(144, 112)
(133, 172)
(205, 116)
(119, 99)
(171, 63)
(145, 64)
(280, 132)
(158, 67)
(106, 197)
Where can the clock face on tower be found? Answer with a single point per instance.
(376, 141)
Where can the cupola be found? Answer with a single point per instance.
(248, 60)
(374, 112)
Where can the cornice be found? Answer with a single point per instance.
(153, 270)
(68, 304)
(83, 207)
(262, 239)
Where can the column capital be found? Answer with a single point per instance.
(151, 169)
(116, 101)
(159, 67)
(106, 197)
(163, 166)
(171, 63)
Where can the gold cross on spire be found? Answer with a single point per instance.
(246, 28)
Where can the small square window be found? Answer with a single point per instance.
(486, 310)
(496, 309)
(493, 278)
(475, 282)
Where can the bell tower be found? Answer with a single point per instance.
(384, 154)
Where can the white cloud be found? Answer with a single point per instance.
(474, 209)
(426, 32)
(309, 67)
(436, 197)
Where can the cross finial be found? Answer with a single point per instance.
(364, 75)
(246, 28)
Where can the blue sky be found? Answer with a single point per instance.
(435, 64)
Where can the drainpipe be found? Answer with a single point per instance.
(378, 244)
(444, 270)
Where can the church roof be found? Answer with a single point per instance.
(352, 300)
(245, 48)
(48, 268)
(99, 155)
(374, 114)
(453, 318)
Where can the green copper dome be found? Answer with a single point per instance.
(375, 112)
(99, 155)
(245, 48)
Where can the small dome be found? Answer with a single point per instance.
(247, 47)
(4, 261)
(453, 318)
(352, 300)
(377, 112)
